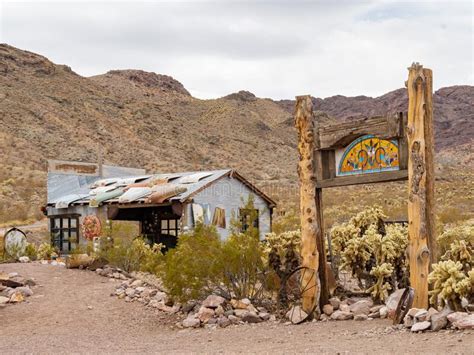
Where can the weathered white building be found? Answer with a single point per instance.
(83, 197)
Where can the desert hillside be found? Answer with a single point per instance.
(149, 120)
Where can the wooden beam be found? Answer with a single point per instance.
(421, 229)
(340, 134)
(310, 228)
(372, 178)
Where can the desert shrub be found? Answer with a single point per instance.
(46, 252)
(31, 251)
(192, 269)
(452, 278)
(373, 251)
(135, 255)
(242, 266)
(290, 221)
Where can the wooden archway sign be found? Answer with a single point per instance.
(317, 149)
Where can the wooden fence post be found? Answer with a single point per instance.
(421, 229)
(304, 123)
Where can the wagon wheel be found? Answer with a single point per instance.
(301, 281)
(405, 303)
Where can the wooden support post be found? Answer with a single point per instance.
(421, 229)
(308, 208)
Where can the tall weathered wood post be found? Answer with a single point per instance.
(310, 215)
(421, 228)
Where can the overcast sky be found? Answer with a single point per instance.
(275, 49)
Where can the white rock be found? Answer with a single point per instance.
(191, 322)
(420, 326)
(344, 307)
(296, 314)
(462, 320)
(213, 301)
(24, 259)
(137, 283)
(264, 315)
(361, 307)
(341, 315)
(4, 300)
(383, 312)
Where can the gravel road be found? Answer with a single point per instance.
(72, 311)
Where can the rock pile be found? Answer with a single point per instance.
(419, 320)
(215, 310)
(14, 288)
(359, 309)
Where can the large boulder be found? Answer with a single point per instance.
(213, 301)
(4, 300)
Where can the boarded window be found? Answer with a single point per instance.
(219, 217)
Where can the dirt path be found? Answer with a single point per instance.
(58, 318)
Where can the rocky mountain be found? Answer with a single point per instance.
(141, 119)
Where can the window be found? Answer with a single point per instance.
(219, 217)
(248, 217)
(170, 227)
(65, 232)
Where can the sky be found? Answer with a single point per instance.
(275, 49)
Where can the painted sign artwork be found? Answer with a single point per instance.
(369, 154)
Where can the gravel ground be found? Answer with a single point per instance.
(72, 311)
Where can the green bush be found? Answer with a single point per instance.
(135, 255)
(194, 268)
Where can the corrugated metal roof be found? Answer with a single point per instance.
(62, 186)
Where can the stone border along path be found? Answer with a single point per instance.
(72, 311)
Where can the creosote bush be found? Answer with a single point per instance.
(373, 251)
(135, 255)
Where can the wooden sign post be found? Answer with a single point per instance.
(310, 215)
(421, 229)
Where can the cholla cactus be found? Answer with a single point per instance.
(283, 250)
(453, 277)
(447, 279)
(373, 251)
(380, 289)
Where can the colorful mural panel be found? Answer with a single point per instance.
(369, 154)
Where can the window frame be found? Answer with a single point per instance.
(63, 233)
(167, 229)
(244, 213)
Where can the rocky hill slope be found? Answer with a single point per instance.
(143, 119)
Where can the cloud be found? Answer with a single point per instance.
(275, 49)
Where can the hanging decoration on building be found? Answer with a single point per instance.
(91, 227)
(369, 154)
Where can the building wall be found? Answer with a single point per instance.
(229, 194)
